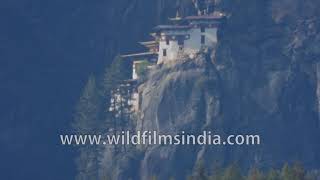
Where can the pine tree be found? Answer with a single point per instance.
(255, 174)
(115, 74)
(273, 175)
(87, 109)
(298, 171)
(86, 121)
(201, 171)
(286, 173)
(112, 79)
(116, 95)
(232, 173)
(217, 171)
(154, 178)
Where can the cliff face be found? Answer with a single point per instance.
(263, 79)
(183, 97)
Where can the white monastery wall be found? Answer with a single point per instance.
(211, 37)
(191, 46)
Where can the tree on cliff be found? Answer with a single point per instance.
(86, 121)
(115, 74)
(200, 172)
(87, 109)
(255, 174)
(116, 94)
(232, 173)
(295, 172)
(92, 115)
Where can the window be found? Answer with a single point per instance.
(167, 41)
(203, 39)
(203, 29)
(164, 52)
(180, 42)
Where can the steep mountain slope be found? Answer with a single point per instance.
(263, 79)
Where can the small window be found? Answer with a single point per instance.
(203, 29)
(180, 42)
(167, 41)
(203, 39)
(164, 53)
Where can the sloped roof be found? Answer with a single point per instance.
(214, 16)
(176, 19)
(149, 43)
(139, 54)
(170, 27)
(203, 18)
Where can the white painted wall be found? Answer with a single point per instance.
(172, 48)
(191, 45)
(172, 51)
(211, 37)
(162, 46)
(135, 101)
(134, 72)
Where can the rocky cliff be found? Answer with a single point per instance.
(262, 79)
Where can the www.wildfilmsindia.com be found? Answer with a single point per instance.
(154, 138)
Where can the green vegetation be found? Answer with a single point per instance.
(85, 118)
(142, 68)
(86, 121)
(233, 172)
(92, 115)
(115, 74)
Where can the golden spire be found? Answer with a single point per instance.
(178, 15)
